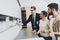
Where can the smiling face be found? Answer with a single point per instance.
(42, 15)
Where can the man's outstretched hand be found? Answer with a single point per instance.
(20, 24)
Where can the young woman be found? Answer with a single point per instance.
(44, 30)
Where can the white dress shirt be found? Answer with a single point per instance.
(34, 15)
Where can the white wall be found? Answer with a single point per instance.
(9, 7)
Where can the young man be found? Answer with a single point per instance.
(53, 10)
(34, 18)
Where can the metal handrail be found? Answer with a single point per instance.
(19, 3)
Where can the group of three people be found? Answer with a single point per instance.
(40, 23)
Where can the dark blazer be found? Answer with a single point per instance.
(36, 23)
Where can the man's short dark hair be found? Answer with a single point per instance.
(53, 5)
(44, 12)
(33, 7)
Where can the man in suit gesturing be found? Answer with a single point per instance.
(34, 18)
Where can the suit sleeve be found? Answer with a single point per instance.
(29, 19)
(39, 17)
(38, 20)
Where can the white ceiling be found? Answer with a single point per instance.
(10, 8)
(40, 4)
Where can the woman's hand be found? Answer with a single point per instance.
(42, 31)
(51, 34)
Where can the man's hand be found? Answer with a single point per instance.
(20, 24)
(37, 32)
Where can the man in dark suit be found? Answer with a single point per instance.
(34, 18)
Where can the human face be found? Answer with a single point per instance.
(32, 10)
(50, 11)
(42, 15)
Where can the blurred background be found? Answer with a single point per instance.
(15, 11)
